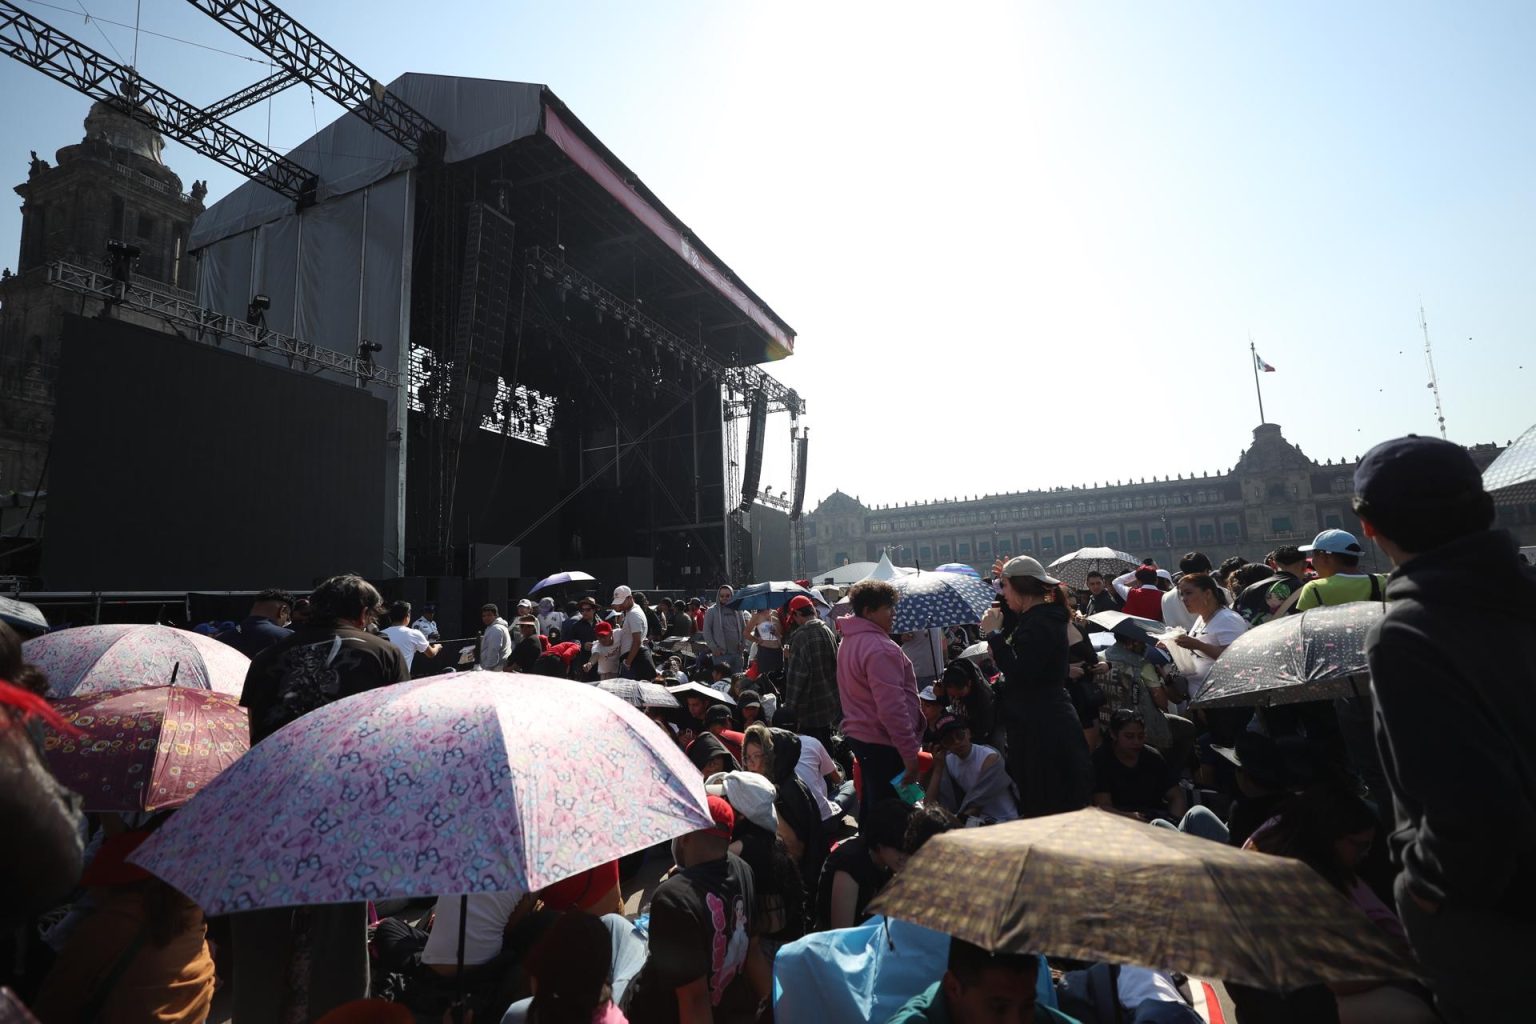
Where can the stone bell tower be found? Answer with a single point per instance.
(113, 185)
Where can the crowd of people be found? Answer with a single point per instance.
(829, 756)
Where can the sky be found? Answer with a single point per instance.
(1024, 244)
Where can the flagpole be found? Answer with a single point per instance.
(1253, 359)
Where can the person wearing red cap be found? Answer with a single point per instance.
(605, 653)
(810, 673)
(700, 930)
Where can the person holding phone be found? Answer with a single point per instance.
(1047, 757)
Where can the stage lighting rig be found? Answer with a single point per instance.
(256, 310)
(123, 259)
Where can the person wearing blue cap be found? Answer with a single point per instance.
(1336, 558)
(1453, 676)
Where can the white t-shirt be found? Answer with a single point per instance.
(408, 640)
(634, 622)
(488, 915)
(1000, 807)
(814, 766)
(1225, 626)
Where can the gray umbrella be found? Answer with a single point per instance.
(640, 694)
(1073, 569)
(1316, 655)
(1512, 476)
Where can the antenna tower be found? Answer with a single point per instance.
(1434, 382)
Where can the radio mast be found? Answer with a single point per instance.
(1434, 382)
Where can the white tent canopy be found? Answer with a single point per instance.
(853, 572)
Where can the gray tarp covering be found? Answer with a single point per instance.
(338, 273)
(478, 115)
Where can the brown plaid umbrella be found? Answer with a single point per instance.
(1097, 886)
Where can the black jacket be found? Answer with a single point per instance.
(796, 805)
(1031, 652)
(1455, 683)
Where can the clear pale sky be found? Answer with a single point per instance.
(1024, 244)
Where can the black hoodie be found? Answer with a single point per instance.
(1454, 677)
(796, 806)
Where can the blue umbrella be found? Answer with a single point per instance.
(959, 567)
(929, 599)
(774, 594)
(562, 578)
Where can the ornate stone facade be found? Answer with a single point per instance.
(1274, 496)
(112, 185)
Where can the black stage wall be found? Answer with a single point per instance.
(178, 466)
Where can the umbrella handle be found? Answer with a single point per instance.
(458, 1002)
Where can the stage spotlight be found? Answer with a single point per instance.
(123, 258)
(255, 310)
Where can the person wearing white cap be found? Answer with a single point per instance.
(1047, 757)
(631, 631)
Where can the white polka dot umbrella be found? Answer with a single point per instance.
(930, 599)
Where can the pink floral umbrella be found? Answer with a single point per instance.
(90, 659)
(485, 782)
(146, 750)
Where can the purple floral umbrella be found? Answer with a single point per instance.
(93, 659)
(488, 783)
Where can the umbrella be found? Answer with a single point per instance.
(90, 659)
(639, 694)
(929, 599)
(560, 579)
(148, 749)
(979, 649)
(1092, 885)
(1119, 621)
(1316, 655)
(1073, 569)
(959, 567)
(26, 619)
(700, 690)
(429, 787)
(1512, 476)
(774, 594)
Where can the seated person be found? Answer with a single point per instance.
(980, 987)
(932, 704)
(779, 912)
(527, 645)
(820, 773)
(404, 948)
(966, 690)
(969, 780)
(1131, 778)
(710, 756)
(717, 720)
(774, 754)
(858, 868)
(1134, 681)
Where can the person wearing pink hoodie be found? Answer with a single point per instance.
(882, 719)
